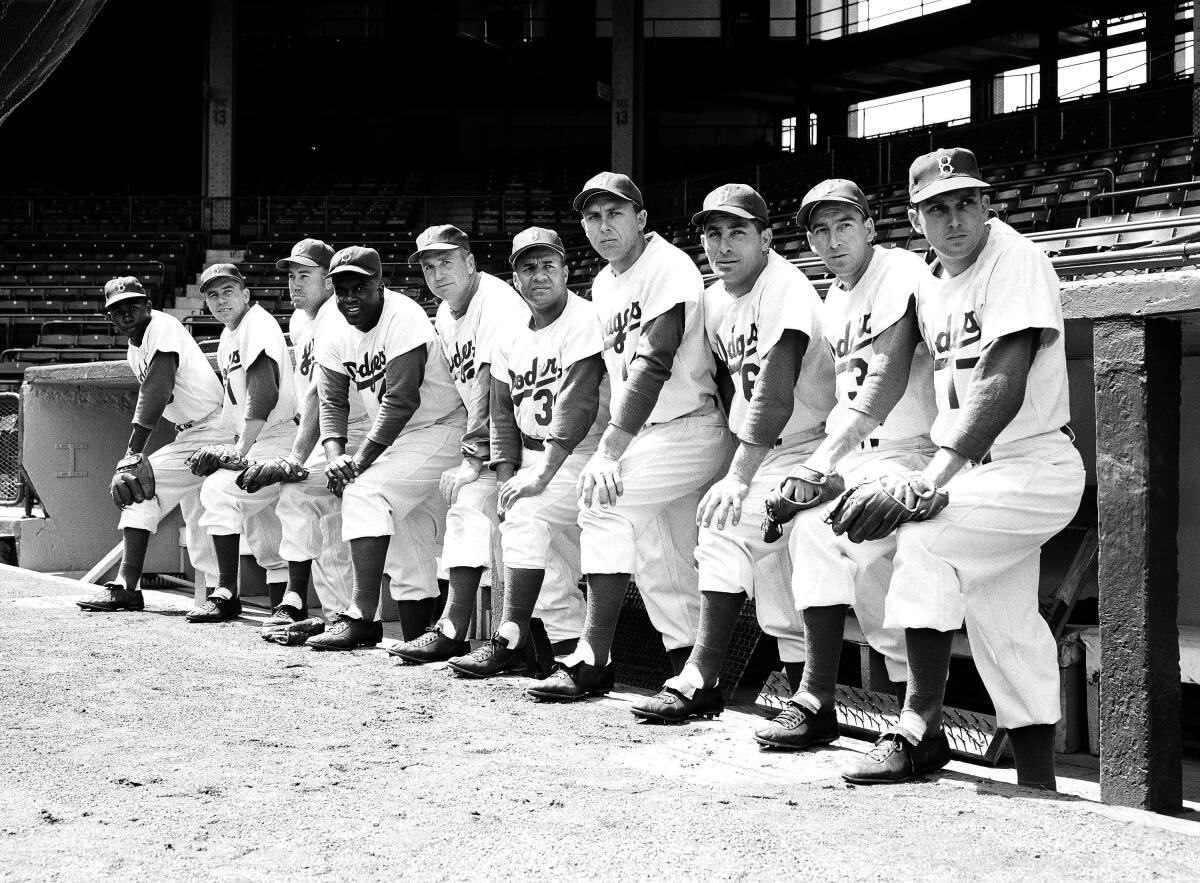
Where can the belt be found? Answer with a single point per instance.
(180, 427)
(532, 444)
(869, 443)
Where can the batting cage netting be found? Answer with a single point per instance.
(35, 36)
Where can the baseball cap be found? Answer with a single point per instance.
(832, 190)
(740, 200)
(220, 271)
(532, 237)
(307, 253)
(122, 288)
(356, 259)
(942, 170)
(440, 238)
(608, 182)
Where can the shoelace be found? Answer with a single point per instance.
(791, 717)
(340, 625)
(482, 653)
(431, 634)
(885, 749)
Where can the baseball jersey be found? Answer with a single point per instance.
(257, 334)
(741, 330)
(661, 278)
(495, 311)
(852, 320)
(364, 356)
(534, 363)
(1011, 287)
(305, 332)
(197, 391)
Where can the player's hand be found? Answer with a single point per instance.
(454, 480)
(341, 471)
(600, 480)
(526, 483)
(722, 502)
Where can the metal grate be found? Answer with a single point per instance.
(12, 489)
(641, 661)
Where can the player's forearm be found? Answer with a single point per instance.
(249, 436)
(476, 443)
(262, 388)
(577, 404)
(846, 433)
(334, 392)
(649, 370)
(997, 392)
(155, 391)
(773, 398)
(505, 435)
(308, 434)
(746, 460)
(369, 452)
(552, 461)
(138, 438)
(402, 397)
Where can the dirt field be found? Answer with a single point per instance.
(138, 746)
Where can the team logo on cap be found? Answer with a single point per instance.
(535, 234)
(726, 193)
(945, 167)
(120, 286)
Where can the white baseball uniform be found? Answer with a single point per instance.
(837, 571)
(978, 560)
(677, 452)
(401, 487)
(195, 409)
(227, 508)
(742, 331)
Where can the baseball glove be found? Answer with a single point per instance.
(210, 458)
(133, 480)
(873, 509)
(294, 633)
(263, 473)
(781, 509)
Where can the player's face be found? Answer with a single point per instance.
(308, 287)
(842, 238)
(955, 223)
(540, 274)
(737, 250)
(615, 229)
(360, 298)
(450, 275)
(130, 317)
(228, 300)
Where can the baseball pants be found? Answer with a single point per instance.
(978, 561)
(662, 471)
(832, 570)
(400, 489)
(729, 559)
(175, 485)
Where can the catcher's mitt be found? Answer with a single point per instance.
(294, 633)
(781, 509)
(873, 509)
(210, 458)
(263, 473)
(133, 480)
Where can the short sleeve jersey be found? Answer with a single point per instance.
(1011, 287)
(257, 334)
(534, 363)
(363, 358)
(662, 277)
(742, 330)
(197, 391)
(854, 317)
(305, 332)
(496, 311)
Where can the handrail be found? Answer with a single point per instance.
(1137, 191)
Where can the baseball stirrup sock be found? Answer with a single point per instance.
(276, 591)
(928, 668)
(226, 547)
(718, 618)
(298, 576)
(133, 558)
(460, 603)
(606, 594)
(1033, 752)
(824, 628)
(795, 674)
(415, 617)
(368, 555)
(523, 585)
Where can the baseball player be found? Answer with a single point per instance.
(764, 323)
(177, 384)
(260, 406)
(539, 444)
(389, 356)
(1005, 478)
(870, 320)
(666, 436)
(476, 310)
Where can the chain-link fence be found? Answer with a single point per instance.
(12, 489)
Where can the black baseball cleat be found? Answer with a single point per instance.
(671, 706)
(346, 633)
(433, 646)
(284, 614)
(114, 597)
(894, 760)
(796, 727)
(488, 660)
(574, 683)
(216, 610)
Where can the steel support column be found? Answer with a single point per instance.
(627, 87)
(217, 178)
